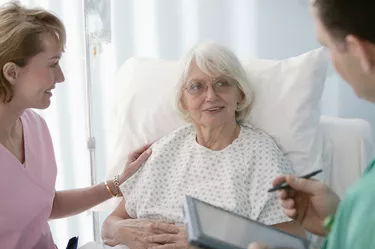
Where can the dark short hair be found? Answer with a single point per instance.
(344, 17)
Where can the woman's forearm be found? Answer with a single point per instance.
(71, 202)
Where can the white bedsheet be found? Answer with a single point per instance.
(352, 146)
(100, 245)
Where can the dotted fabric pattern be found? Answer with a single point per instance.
(236, 178)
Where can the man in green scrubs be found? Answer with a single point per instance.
(347, 29)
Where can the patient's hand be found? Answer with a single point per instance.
(133, 232)
(167, 240)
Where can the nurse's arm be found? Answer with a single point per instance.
(71, 202)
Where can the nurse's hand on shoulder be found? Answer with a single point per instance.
(135, 161)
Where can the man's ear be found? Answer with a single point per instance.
(364, 51)
(11, 72)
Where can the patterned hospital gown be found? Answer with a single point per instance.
(236, 178)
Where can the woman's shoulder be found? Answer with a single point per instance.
(262, 149)
(34, 122)
(255, 133)
(177, 136)
(33, 117)
(255, 139)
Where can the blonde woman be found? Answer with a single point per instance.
(31, 45)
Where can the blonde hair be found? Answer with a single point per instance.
(214, 59)
(20, 31)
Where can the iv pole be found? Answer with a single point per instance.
(91, 138)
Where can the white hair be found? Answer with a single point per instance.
(214, 59)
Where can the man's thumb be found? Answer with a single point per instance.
(304, 185)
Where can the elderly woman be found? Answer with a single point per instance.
(218, 158)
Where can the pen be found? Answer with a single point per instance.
(285, 185)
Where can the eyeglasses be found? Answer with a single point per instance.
(196, 88)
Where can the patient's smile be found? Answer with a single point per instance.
(214, 110)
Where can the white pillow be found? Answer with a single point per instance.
(287, 105)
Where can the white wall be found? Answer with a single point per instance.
(259, 28)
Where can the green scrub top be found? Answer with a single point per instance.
(354, 223)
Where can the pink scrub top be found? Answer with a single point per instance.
(27, 190)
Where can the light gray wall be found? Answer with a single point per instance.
(287, 30)
(261, 28)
